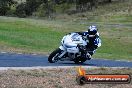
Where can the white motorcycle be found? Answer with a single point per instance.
(73, 48)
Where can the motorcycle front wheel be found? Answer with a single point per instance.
(53, 57)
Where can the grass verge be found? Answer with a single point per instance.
(56, 78)
(43, 36)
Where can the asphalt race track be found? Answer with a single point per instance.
(25, 60)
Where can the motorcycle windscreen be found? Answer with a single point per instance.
(71, 42)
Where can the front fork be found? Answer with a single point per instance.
(63, 52)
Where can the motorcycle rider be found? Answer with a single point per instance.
(77, 46)
(92, 38)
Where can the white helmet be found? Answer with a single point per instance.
(92, 30)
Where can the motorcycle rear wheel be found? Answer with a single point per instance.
(53, 56)
(79, 60)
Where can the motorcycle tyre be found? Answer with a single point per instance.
(79, 60)
(52, 55)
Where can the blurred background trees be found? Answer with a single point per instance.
(5, 6)
(47, 8)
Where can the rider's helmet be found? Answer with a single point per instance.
(92, 30)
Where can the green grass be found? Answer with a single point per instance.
(43, 36)
(23, 35)
(116, 43)
(38, 36)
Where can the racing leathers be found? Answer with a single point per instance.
(93, 42)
